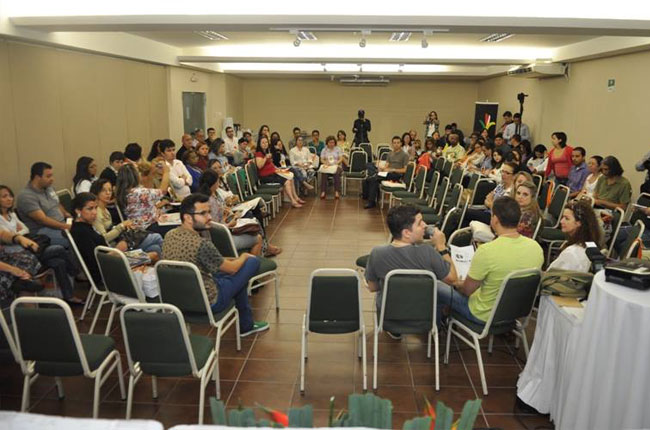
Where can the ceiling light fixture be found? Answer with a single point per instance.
(425, 34)
(306, 35)
(400, 36)
(364, 34)
(296, 42)
(212, 35)
(496, 37)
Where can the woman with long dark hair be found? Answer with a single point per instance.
(85, 175)
(268, 173)
(559, 159)
(580, 225)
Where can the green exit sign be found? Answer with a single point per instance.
(611, 85)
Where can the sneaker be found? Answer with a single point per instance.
(395, 336)
(257, 326)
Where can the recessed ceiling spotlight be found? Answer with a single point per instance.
(364, 34)
(400, 36)
(362, 43)
(424, 43)
(212, 35)
(496, 37)
(296, 42)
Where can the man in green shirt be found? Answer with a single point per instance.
(453, 151)
(475, 296)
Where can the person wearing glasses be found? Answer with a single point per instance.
(225, 279)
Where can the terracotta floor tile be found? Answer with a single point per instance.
(270, 394)
(270, 371)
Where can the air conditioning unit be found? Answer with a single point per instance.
(359, 81)
(544, 70)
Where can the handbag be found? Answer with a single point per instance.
(247, 229)
(566, 283)
(133, 237)
(41, 240)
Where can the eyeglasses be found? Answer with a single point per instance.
(202, 213)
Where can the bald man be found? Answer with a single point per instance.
(186, 143)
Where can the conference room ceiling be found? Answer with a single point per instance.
(263, 39)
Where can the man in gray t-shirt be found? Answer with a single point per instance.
(39, 208)
(395, 168)
(407, 251)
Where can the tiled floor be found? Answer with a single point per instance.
(322, 234)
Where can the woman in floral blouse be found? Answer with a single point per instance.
(331, 156)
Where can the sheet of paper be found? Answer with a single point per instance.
(567, 302)
(170, 219)
(245, 221)
(328, 169)
(247, 206)
(462, 258)
(382, 174)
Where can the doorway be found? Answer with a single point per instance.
(193, 111)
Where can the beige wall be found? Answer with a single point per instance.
(58, 105)
(234, 99)
(329, 106)
(604, 123)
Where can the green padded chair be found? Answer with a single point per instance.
(49, 344)
(450, 201)
(436, 203)
(633, 233)
(456, 176)
(551, 235)
(427, 198)
(65, 199)
(7, 345)
(514, 301)
(417, 188)
(334, 306)
(157, 343)
(409, 174)
(233, 185)
(120, 284)
(270, 197)
(267, 273)
(357, 168)
(544, 192)
(408, 306)
(256, 187)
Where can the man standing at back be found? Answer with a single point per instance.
(394, 169)
(408, 251)
(38, 206)
(516, 127)
(476, 295)
(225, 279)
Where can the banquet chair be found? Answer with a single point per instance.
(157, 343)
(514, 301)
(408, 306)
(49, 344)
(334, 306)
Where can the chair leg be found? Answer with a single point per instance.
(129, 396)
(89, 302)
(436, 343)
(154, 387)
(524, 340)
(238, 333)
(110, 319)
(59, 387)
(364, 357)
(303, 354)
(26, 389)
(479, 360)
(375, 353)
(428, 345)
(360, 340)
(451, 325)
(490, 344)
(98, 384)
(100, 304)
(202, 396)
(277, 293)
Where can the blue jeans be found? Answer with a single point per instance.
(56, 236)
(234, 287)
(152, 243)
(458, 302)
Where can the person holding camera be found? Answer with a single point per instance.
(361, 128)
(431, 123)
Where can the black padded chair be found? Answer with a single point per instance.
(356, 168)
(334, 306)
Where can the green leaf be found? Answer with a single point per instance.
(419, 423)
(218, 411)
(444, 417)
(241, 418)
(368, 410)
(469, 414)
(301, 417)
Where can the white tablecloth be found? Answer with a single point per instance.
(25, 421)
(544, 376)
(609, 381)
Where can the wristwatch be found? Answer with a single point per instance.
(444, 252)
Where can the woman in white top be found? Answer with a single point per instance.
(85, 175)
(580, 225)
(593, 164)
(301, 158)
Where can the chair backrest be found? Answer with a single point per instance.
(451, 221)
(446, 168)
(96, 288)
(358, 161)
(617, 220)
(473, 179)
(516, 297)
(233, 185)
(461, 237)
(47, 335)
(537, 180)
(181, 285)
(251, 173)
(65, 198)
(334, 301)
(439, 164)
(433, 184)
(643, 200)
(312, 149)
(557, 204)
(409, 174)
(633, 233)
(222, 239)
(368, 148)
(538, 227)
(440, 195)
(242, 182)
(156, 339)
(383, 156)
(544, 193)
(117, 274)
(452, 200)
(7, 344)
(383, 149)
(484, 186)
(408, 302)
(419, 181)
(456, 175)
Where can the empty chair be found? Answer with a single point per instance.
(408, 306)
(484, 186)
(367, 147)
(334, 307)
(382, 149)
(456, 175)
(515, 300)
(427, 198)
(407, 180)
(417, 190)
(49, 344)
(65, 199)
(157, 343)
(120, 284)
(181, 285)
(537, 180)
(357, 168)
